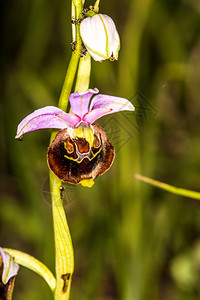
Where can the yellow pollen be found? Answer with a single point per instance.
(87, 182)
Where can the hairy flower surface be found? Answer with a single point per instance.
(100, 37)
(80, 151)
(8, 271)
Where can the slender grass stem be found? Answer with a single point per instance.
(169, 188)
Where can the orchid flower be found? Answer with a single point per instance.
(80, 151)
(8, 271)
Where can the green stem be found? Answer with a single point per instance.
(71, 71)
(64, 255)
(169, 188)
(69, 78)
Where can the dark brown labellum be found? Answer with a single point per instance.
(74, 160)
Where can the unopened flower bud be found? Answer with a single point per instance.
(100, 37)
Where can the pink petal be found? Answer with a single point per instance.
(80, 101)
(102, 105)
(95, 114)
(46, 117)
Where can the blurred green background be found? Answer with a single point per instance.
(131, 241)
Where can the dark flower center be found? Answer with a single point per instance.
(75, 159)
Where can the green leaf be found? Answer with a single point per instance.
(33, 264)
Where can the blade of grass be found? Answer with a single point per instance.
(170, 188)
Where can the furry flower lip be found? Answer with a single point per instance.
(80, 151)
(100, 37)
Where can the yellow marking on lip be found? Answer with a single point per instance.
(87, 182)
(76, 159)
(67, 145)
(71, 158)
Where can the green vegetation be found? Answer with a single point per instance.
(132, 241)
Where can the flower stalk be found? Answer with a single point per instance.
(64, 255)
(69, 78)
(73, 64)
